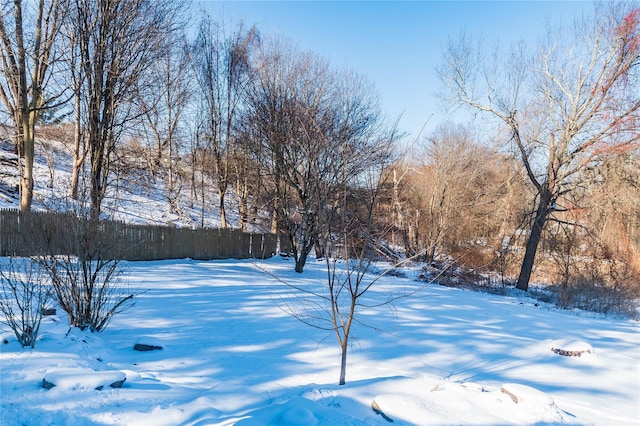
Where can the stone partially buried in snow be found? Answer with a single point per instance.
(428, 402)
(83, 378)
(526, 394)
(146, 344)
(571, 348)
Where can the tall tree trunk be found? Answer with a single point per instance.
(202, 192)
(344, 346)
(171, 189)
(533, 242)
(78, 150)
(26, 132)
(223, 213)
(243, 206)
(274, 217)
(96, 193)
(26, 193)
(21, 96)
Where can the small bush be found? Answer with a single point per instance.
(87, 279)
(24, 295)
(90, 291)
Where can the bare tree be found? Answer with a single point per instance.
(465, 192)
(163, 106)
(450, 173)
(311, 125)
(246, 178)
(290, 92)
(560, 104)
(117, 41)
(28, 52)
(221, 65)
(71, 31)
(611, 204)
(327, 151)
(350, 222)
(456, 196)
(352, 236)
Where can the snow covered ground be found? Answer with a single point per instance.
(232, 355)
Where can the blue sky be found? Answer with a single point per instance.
(397, 44)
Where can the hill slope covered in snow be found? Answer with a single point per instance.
(134, 195)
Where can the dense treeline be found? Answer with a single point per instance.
(227, 110)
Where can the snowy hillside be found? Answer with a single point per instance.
(231, 355)
(134, 196)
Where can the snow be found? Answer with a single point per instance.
(231, 354)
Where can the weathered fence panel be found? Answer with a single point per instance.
(34, 233)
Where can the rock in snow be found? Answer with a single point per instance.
(145, 344)
(525, 394)
(510, 404)
(83, 378)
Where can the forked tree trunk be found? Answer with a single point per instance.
(301, 260)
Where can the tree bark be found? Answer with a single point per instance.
(223, 212)
(302, 260)
(26, 131)
(535, 235)
(78, 150)
(343, 361)
(23, 97)
(26, 193)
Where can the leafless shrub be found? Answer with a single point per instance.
(505, 259)
(24, 295)
(87, 278)
(589, 275)
(605, 287)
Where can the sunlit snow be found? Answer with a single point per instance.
(232, 355)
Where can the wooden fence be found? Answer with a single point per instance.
(33, 233)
